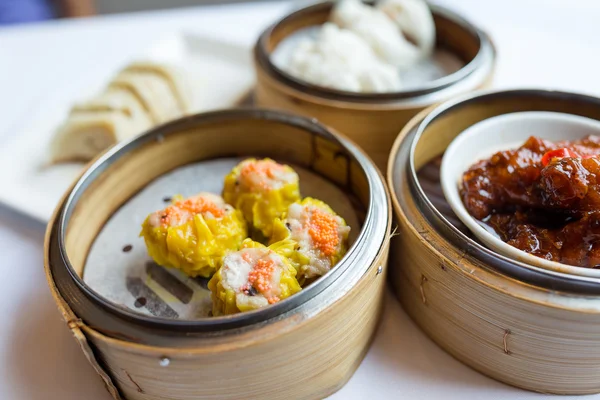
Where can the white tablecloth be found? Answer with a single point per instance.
(551, 44)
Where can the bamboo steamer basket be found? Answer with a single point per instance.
(520, 324)
(370, 120)
(306, 346)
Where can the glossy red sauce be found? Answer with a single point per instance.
(543, 198)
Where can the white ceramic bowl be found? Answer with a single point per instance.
(505, 132)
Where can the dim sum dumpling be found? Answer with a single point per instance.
(262, 190)
(340, 59)
(312, 236)
(194, 234)
(414, 19)
(378, 30)
(252, 278)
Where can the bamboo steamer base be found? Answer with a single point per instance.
(523, 335)
(307, 352)
(373, 128)
(312, 360)
(500, 346)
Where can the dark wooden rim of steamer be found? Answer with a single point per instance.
(529, 100)
(363, 251)
(263, 58)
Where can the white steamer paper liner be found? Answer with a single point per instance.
(127, 276)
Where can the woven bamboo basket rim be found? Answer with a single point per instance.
(210, 345)
(377, 192)
(369, 101)
(569, 285)
(135, 370)
(242, 340)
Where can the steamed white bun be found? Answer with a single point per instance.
(414, 20)
(340, 59)
(378, 30)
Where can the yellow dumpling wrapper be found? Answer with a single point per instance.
(253, 277)
(262, 190)
(312, 236)
(194, 234)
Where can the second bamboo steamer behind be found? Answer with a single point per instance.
(372, 120)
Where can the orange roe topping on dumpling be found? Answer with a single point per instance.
(193, 206)
(260, 278)
(323, 229)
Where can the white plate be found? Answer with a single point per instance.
(222, 74)
(505, 132)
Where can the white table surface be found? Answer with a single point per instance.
(550, 43)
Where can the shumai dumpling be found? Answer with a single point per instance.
(262, 190)
(252, 278)
(312, 236)
(194, 234)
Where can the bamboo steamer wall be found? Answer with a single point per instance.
(302, 358)
(371, 120)
(524, 326)
(308, 350)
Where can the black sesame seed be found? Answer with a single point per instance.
(252, 291)
(167, 199)
(287, 225)
(127, 248)
(140, 302)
